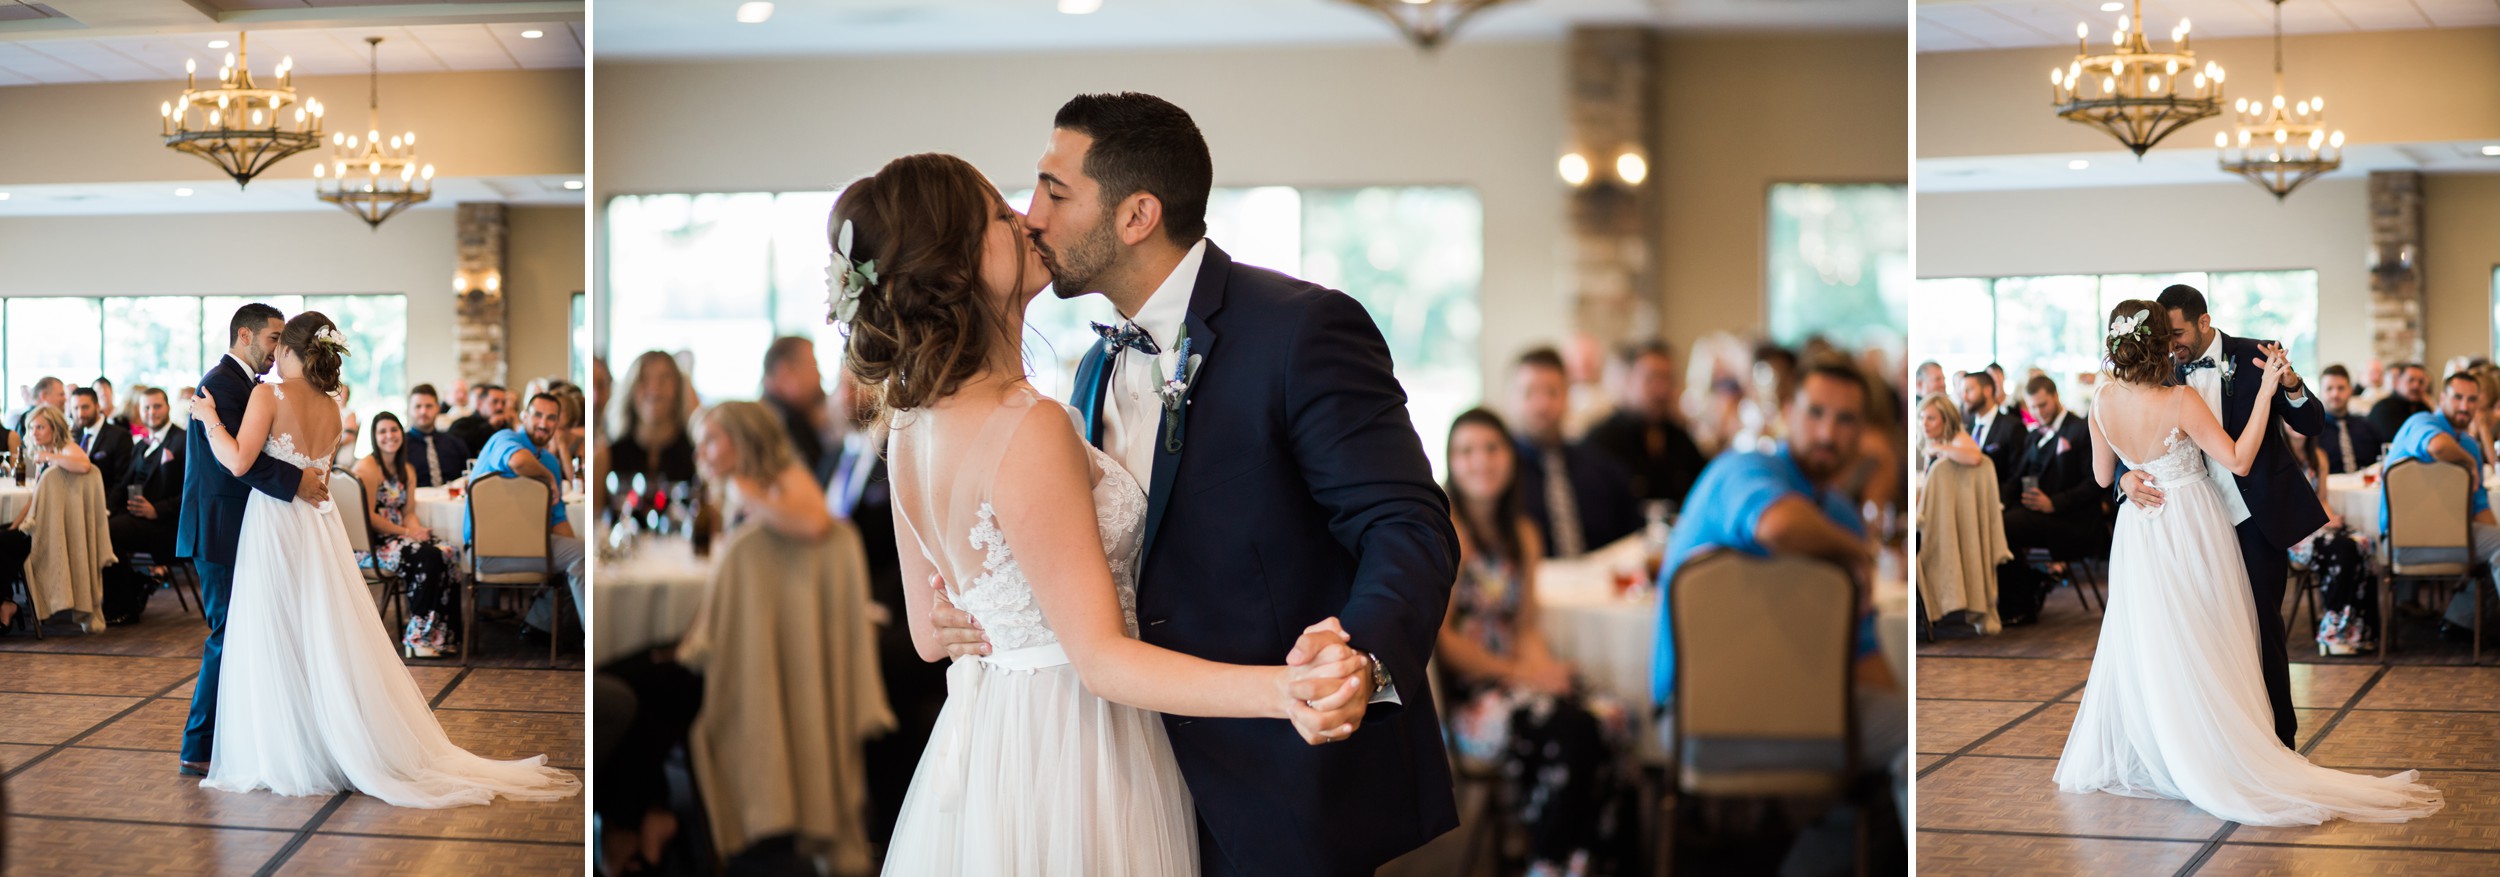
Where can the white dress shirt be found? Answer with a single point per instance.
(2207, 382)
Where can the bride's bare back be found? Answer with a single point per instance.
(2136, 421)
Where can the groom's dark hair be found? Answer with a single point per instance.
(2184, 299)
(1142, 143)
(252, 316)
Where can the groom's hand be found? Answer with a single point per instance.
(1326, 684)
(2140, 490)
(315, 489)
(957, 630)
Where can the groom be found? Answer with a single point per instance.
(213, 501)
(2274, 507)
(1287, 486)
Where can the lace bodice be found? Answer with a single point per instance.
(1002, 599)
(2181, 461)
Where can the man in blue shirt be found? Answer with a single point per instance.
(2441, 435)
(521, 452)
(1783, 502)
(436, 455)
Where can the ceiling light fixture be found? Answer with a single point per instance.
(2132, 92)
(1427, 23)
(754, 12)
(2491, 150)
(2281, 144)
(243, 133)
(182, 193)
(1079, 7)
(532, 34)
(2078, 164)
(573, 185)
(386, 178)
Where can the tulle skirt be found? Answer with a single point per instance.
(2176, 706)
(1029, 773)
(312, 699)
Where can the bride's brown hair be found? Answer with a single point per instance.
(927, 325)
(2142, 355)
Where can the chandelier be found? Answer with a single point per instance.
(2136, 94)
(2281, 147)
(237, 126)
(1427, 23)
(386, 178)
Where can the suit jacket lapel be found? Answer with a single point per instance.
(1093, 375)
(1205, 298)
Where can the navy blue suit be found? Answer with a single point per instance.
(1300, 491)
(211, 523)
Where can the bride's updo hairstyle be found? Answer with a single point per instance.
(2140, 355)
(322, 358)
(926, 325)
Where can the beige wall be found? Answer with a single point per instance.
(542, 269)
(2410, 86)
(325, 253)
(1745, 112)
(516, 123)
(2460, 247)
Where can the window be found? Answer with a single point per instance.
(2055, 323)
(2495, 307)
(1839, 263)
(579, 336)
(719, 275)
(169, 341)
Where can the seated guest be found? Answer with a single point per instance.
(113, 417)
(2312, 458)
(48, 449)
(748, 460)
(1942, 436)
(795, 389)
(2444, 435)
(437, 456)
(2408, 384)
(1579, 499)
(145, 508)
(403, 547)
(648, 430)
(1930, 379)
(2052, 501)
(1645, 434)
(493, 415)
(106, 445)
(521, 452)
(1783, 501)
(48, 392)
(2351, 442)
(1998, 432)
(1512, 702)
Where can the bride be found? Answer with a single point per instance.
(313, 700)
(1045, 759)
(2175, 707)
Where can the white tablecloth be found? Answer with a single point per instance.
(2358, 502)
(13, 499)
(436, 510)
(646, 598)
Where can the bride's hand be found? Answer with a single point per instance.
(2271, 357)
(203, 407)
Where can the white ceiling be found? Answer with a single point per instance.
(1963, 25)
(708, 29)
(2173, 167)
(266, 195)
(139, 40)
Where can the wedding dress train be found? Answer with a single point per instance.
(2175, 706)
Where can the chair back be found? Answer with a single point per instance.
(2427, 533)
(347, 493)
(1764, 649)
(508, 519)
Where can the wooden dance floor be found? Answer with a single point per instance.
(90, 728)
(1993, 714)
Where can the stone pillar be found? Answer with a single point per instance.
(482, 234)
(2396, 303)
(1610, 110)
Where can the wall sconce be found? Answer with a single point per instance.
(1630, 169)
(1575, 169)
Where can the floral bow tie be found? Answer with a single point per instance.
(2190, 368)
(1128, 336)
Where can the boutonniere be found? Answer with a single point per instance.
(2230, 367)
(1175, 391)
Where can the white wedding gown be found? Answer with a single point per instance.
(312, 699)
(1027, 772)
(2175, 706)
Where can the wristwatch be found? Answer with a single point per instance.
(1380, 675)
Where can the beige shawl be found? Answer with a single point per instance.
(1961, 531)
(73, 543)
(791, 690)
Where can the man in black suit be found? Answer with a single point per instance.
(794, 387)
(1579, 499)
(146, 504)
(105, 398)
(1644, 435)
(106, 446)
(437, 456)
(48, 392)
(2410, 385)
(2351, 442)
(2051, 501)
(2273, 506)
(493, 415)
(1998, 431)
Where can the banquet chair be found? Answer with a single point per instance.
(509, 521)
(176, 574)
(348, 492)
(2428, 540)
(1763, 708)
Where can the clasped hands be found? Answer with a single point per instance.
(1323, 687)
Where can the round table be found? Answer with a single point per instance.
(438, 511)
(647, 597)
(14, 498)
(2356, 498)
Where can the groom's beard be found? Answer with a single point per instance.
(1074, 270)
